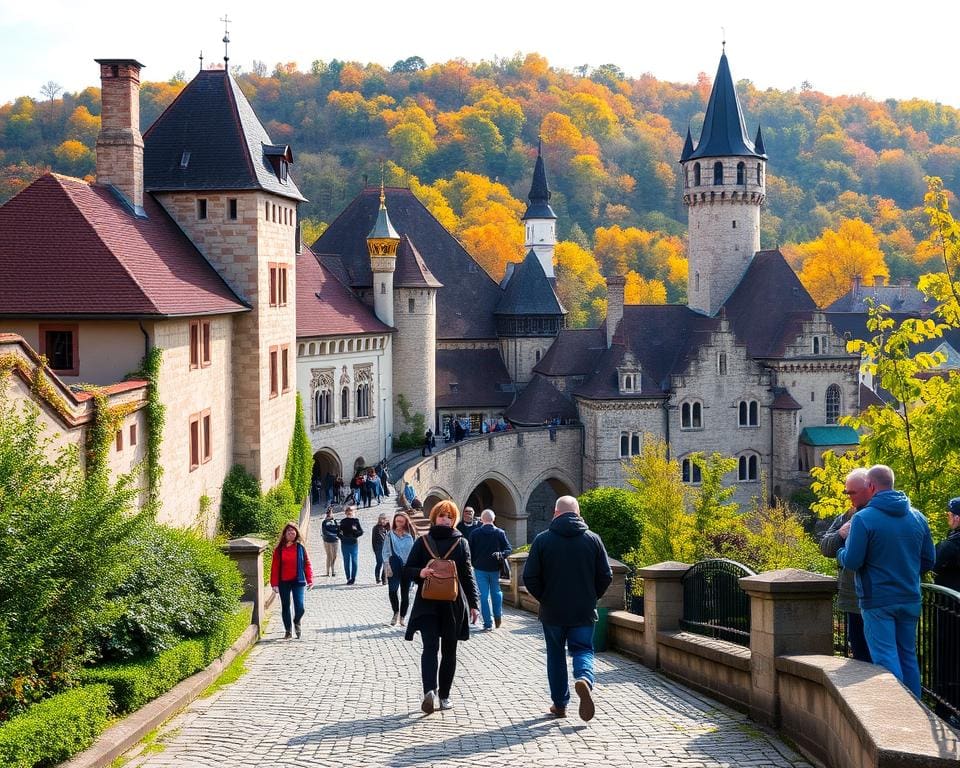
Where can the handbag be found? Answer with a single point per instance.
(504, 568)
(443, 584)
(387, 568)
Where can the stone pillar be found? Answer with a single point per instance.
(616, 285)
(247, 553)
(662, 604)
(517, 562)
(791, 612)
(615, 596)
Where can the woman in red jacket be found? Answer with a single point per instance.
(291, 574)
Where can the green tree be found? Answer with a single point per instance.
(299, 469)
(615, 515)
(714, 515)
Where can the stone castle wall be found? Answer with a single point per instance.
(414, 353)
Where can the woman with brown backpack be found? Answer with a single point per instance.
(446, 603)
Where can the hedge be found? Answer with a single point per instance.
(134, 683)
(56, 728)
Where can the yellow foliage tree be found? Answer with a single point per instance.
(832, 260)
(580, 286)
(641, 291)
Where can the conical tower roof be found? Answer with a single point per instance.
(529, 291)
(539, 196)
(687, 147)
(383, 227)
(724, 133)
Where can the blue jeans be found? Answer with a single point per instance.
(580, 641)
(288, 588)
(378, 568)
(489, 584)
(892, 637)
(349, 549)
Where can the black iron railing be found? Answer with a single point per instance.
(713, 602)
(841, 638)
(632, 602)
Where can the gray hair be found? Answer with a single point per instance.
(488, 516)
(881, 476)
(860, 473)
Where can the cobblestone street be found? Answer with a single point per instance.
(348, 694)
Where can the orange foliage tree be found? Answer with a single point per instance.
(831, 261)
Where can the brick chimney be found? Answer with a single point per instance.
(120, 145)
(615, 288)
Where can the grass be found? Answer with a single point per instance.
(150, 744)
(233, 672)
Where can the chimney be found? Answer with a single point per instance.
(855, 290)
(615, 289)
(120, 145)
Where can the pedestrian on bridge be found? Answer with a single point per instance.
(290, 576)
(350, 531)
(489, 547)
(441, 623)
(567, 571)
(396, 550)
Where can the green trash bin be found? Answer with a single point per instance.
(600, 629)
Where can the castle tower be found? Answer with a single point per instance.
(540, 222)
(119, 143)
(382, 244)
(723, 189)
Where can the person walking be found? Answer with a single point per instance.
(338, 489)
(468, 525)
(290, 576)
(858, 490)
(890, 548)
(377, 537)
(947, 569)
(947, 564)
(488, 548)
(330, 532)
(567, 571)
(350, 531)
(441, 623)
(427, 443)
(396, 550)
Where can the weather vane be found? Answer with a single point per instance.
(226, 40)
(383, 196)
(201, 61)
(724, 41)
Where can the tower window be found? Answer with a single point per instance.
(411, 304)
(696, 279)
(722, 363)
(748, 413)
(232, 209)
(759, 174)
(741, 173)
(696, 174)
(202, 208)
(718, 173)
(383, 288)
(734, 224)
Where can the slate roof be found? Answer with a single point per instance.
(69, 249)
(529, 291)
(539, 197)
(410, 271)
(479, 376)
(464, 307)
(326, 307)
(228, 147)
(573, 353)
(724, 133)
(834, 434)
(900, 298)
(784, 401)
(868, 397)
(540, 401)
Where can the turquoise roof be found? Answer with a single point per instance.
(832, 435)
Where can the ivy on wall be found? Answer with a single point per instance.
(156, 417)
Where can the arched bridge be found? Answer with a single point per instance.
(518, 474)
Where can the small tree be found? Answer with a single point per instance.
(299, 469)
(615, 515)
(714, 515)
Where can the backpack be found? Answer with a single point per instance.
(443, 585)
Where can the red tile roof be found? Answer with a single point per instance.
(326, 307)
(71, 249)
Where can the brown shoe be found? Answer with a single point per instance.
(582, 687)
(497, 621)
(557, 711)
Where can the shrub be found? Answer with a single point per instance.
(53, 730)
(63, 538)
(279, 506)
(240, 502)
(182, 586)
(299, 469)
(613, 514)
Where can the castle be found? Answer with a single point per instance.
(189, 241)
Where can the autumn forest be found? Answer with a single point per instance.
(845, 179)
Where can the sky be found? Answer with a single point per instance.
(883, 49)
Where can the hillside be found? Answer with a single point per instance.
(846, 174)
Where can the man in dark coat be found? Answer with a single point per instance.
(567, 571)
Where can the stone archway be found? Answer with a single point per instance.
(498, 494)
(325, 460)
(544, 492)
(433, 497)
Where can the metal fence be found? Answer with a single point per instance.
(713, 602)
(938, 647)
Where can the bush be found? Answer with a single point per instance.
(134, 683)
(614, 514)
(55, 729)
(182, 586)
(63, 538)
(240, 502)
(299, 469)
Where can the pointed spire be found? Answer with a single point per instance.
(687, 147)
(724, 133)
(758, 144)
(539, 196)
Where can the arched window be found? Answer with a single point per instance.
(629, 444)
(690, 472)
(411, 304)
(696, 174)
(759, 173)
(718, 173)
(323, 407)
(833, 404)
(748, 468)
(691, 415)
(344, 404)
(748, 413)
(816, 345)
(741, 173)
(363, 400)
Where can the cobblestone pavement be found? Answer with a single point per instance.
(348, 694)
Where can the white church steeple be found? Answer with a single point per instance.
(539, 221)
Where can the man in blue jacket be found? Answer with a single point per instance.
(567, 571)
(488, 547)
(890, 547)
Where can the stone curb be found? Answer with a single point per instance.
(119, 738)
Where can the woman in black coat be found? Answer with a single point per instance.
(441, 624)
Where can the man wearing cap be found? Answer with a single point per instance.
(567, 571)
(947, 566)
(889, 547)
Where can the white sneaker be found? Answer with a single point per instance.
(395, 619)
(430, 702)
(445, 704)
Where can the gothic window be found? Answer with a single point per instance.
(821, 345)
(322, 384)
(344, 404)
(363, 400)
(741, 173)
(718, 173)
(690, 472)
(748, 413)
(696, 174)
(748, 468)
(833, 404)
(629, 444)
(721, 363)
(691, 415)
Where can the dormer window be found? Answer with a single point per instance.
(280, 158)
(821, 345)
(284, 171)
(629, 380)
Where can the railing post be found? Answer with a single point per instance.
(517, 562)
(614, 597)
(662, 604)
(247, 553)
(791, 612)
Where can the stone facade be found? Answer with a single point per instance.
(521, 353)
(415, 342)
(119, 144)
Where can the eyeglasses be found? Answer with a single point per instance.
(850, 493)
